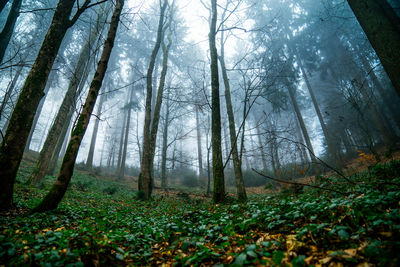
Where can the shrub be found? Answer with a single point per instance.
(111, 190)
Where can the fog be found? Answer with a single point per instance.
(308, 92)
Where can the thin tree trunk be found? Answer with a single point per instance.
(121, 137)
(89, 161)
(62, 139)
(328, 139)
(127, 126)
(54, 197)
(302, 124)
(237, 165)
(218, 166)
(145, 176)
(160, 92)
(8, 29)
(199, 154)
(383, 33)
(164, 183)
(261, 146)
(12, 147)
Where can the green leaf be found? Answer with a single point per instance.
(278, 256)
(343, 234)
(240, 259)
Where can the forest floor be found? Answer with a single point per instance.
(103, 223)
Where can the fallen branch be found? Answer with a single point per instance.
(301, 184)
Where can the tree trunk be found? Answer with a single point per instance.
(164, 183)
(121, 137)
(62, 138)
(302, 124)
(199, 154)
(14, 142)
(261, 145)
(8, 94)
(218, 166)
(121, 173)
(74, 89)
(145, 177)
(89, 161)
(328, 139)
(382, 32)
(237, 165)
(8, 29)
(53, 198)
(160, 92)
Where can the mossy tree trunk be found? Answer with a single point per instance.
(381, 26)
(67, 104)
(145, 176)
(54, 197)
(12, 147)
(218, 166)
(159, 100)
(237, 165)
(8, 29)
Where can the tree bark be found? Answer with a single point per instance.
(382, 32)
(302, 124)
(159, 100)
(8, 29)
(199, 154)
(328, 139)
(121, 173)
(237, 165)
(54, 197)
(218, 166)
(145, 177)
(89, 161)
(66, 106)
(12, 147)
(164, 183)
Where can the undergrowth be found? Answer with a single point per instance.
(104, 223)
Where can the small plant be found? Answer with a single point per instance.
(140, 195)
(111, 190)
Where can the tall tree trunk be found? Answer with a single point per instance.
(12, 147)
(121, 137)
(8, 29)
(395, 114)
(160, 92)
(328, 139)
(10, 90)
(121, 173)
(61, 140)
(302, 124)
(218, 166)
(199, 154)
(237, 165)
(74, 89)
(261, 146)
(382, 32)
(89, 161)
(54, 197)
(145, 176)
(164, 149)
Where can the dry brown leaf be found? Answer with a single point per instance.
(325, 260)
